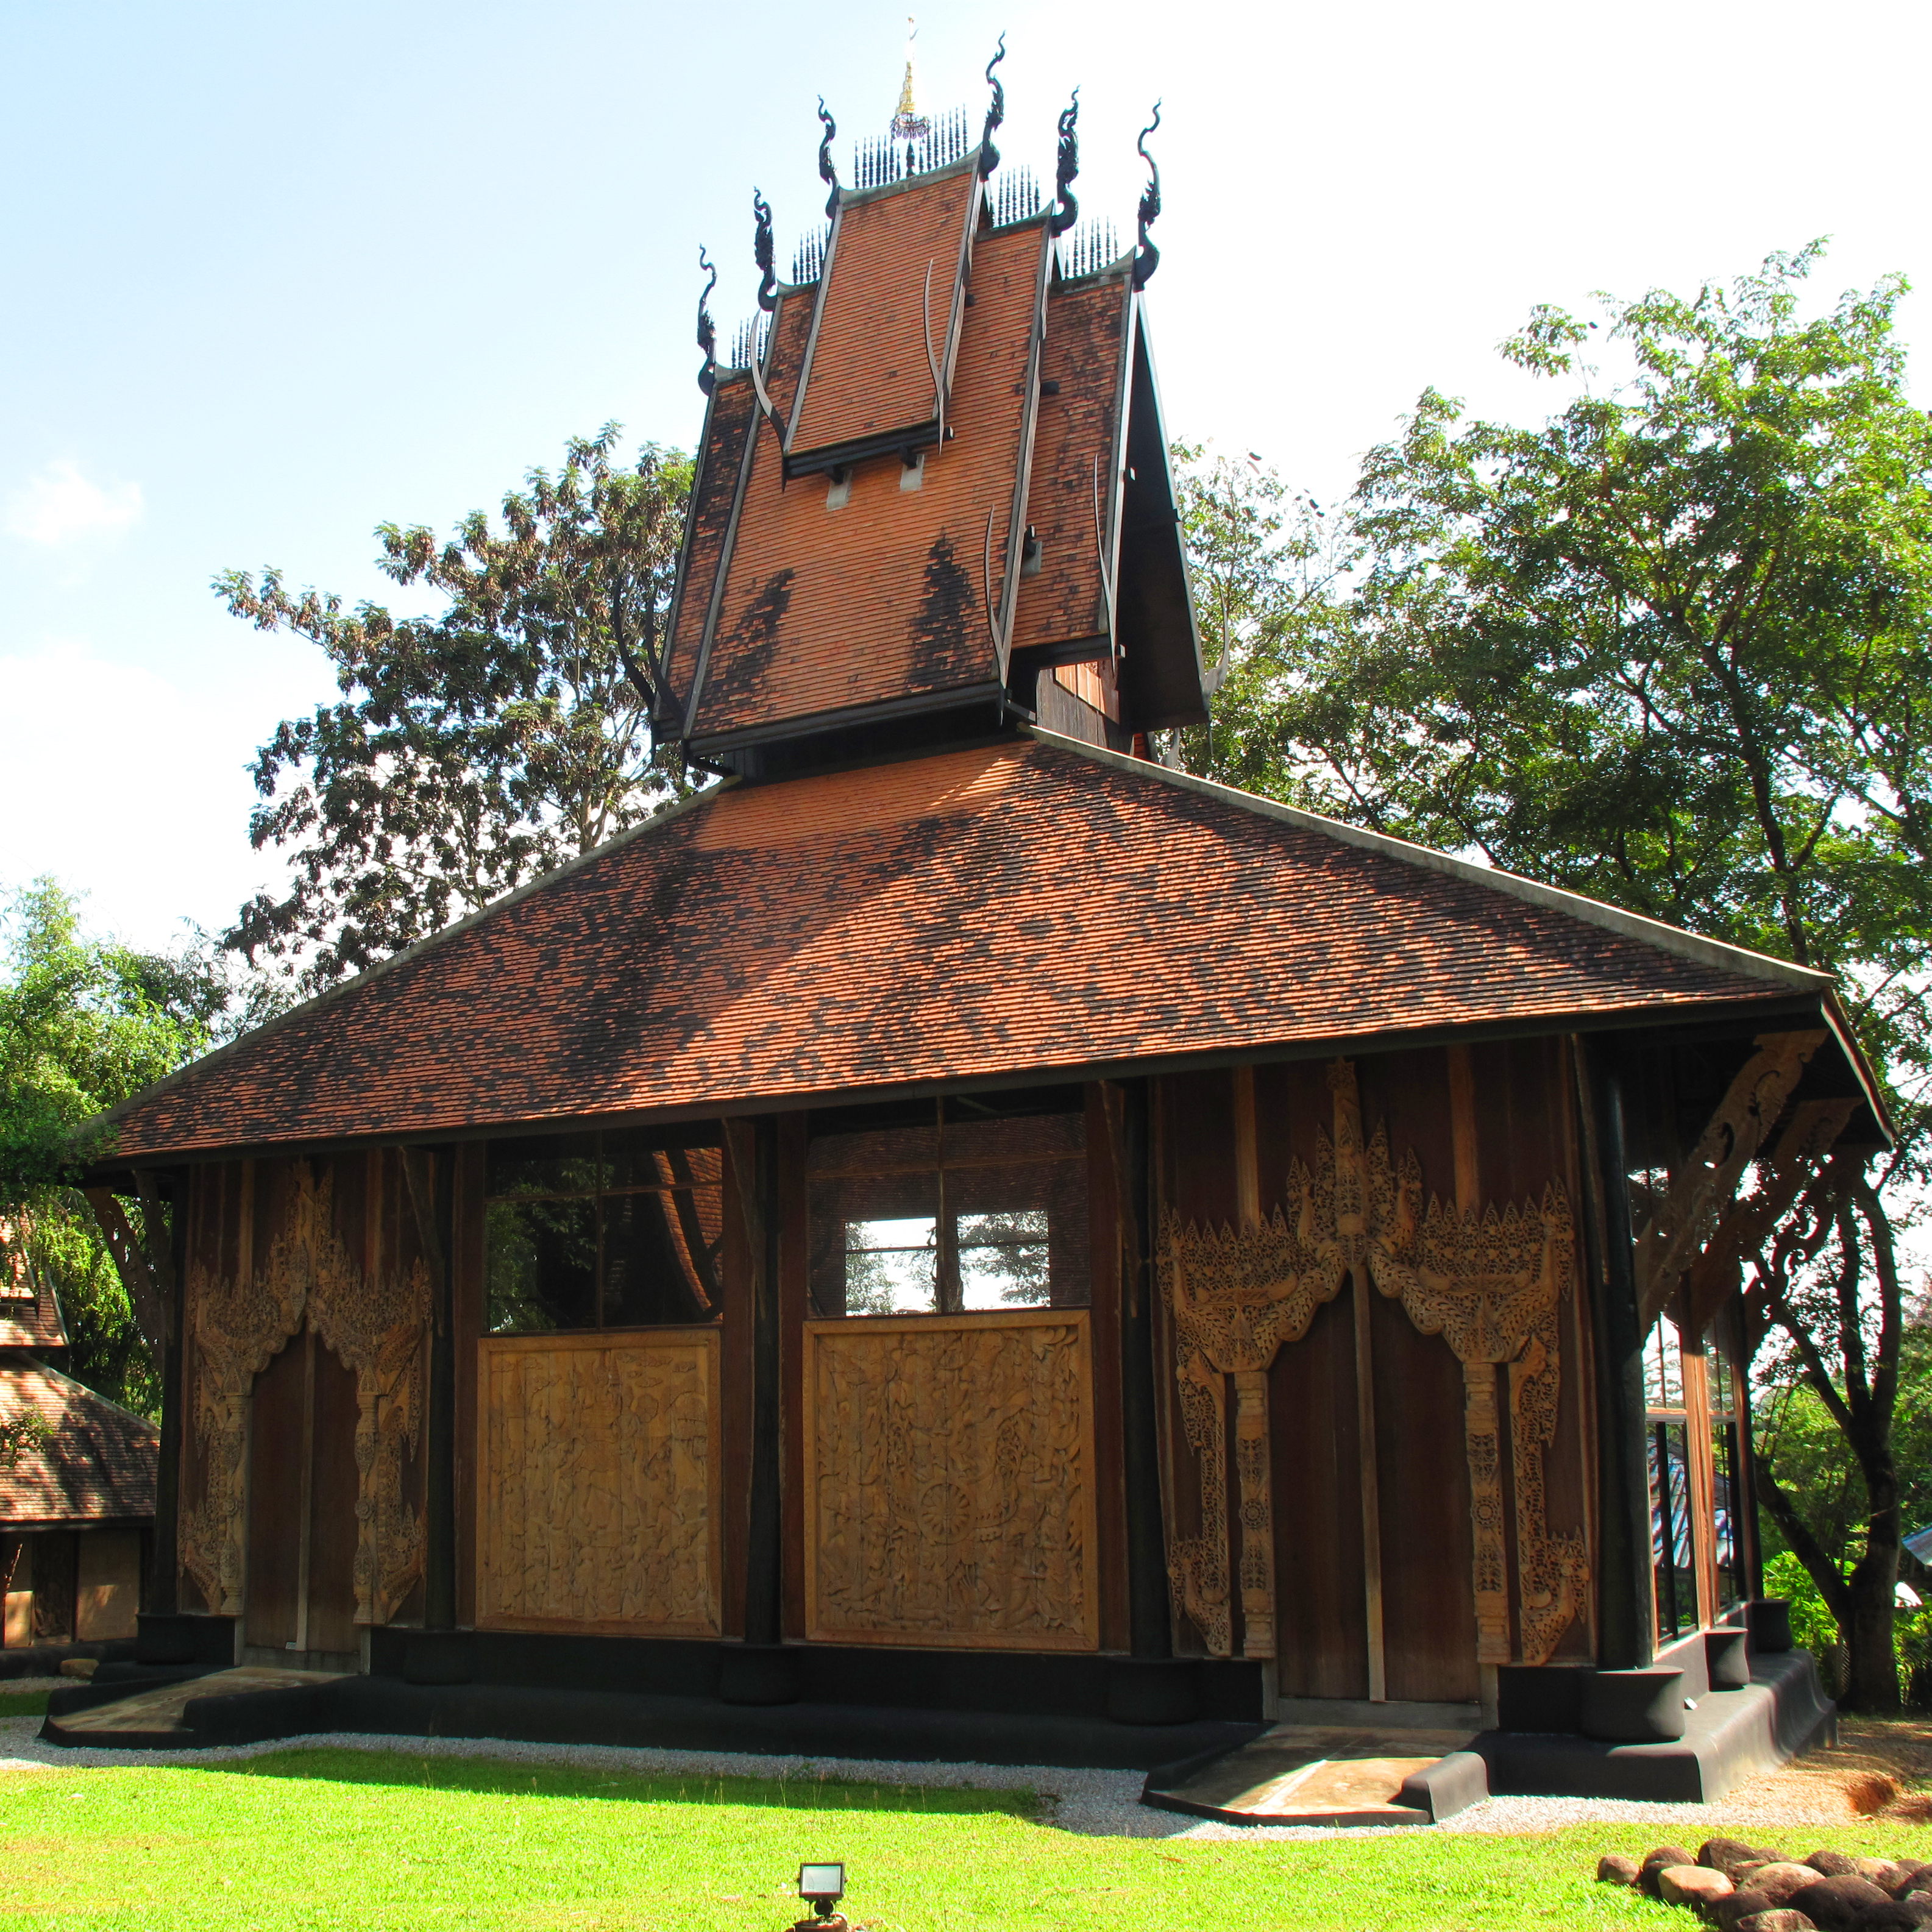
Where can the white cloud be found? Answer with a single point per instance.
(60, 503)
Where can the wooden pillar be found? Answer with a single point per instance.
(1149, 1614)
(764, 1568)
(1624, 1640)
(431, 1178)
(170, 1261)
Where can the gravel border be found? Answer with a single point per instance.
(1100, 1804)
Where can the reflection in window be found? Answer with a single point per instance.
(949, 1210)
(610, 1231)
(1670, 1527)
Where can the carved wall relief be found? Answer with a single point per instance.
(598, 1466)
(1490, 1283)
(377, 1327)
(949, 1468)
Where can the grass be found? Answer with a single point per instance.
(331, 1838)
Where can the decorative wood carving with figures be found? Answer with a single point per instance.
(948, 1465)
(1490, 1282)
(598, 1467)
(378, 1326)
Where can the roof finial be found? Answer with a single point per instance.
(1146, 256)
(996, 113)
(909, 123)
(827, 173)
(1069, 210)
(707, 330)
(765, 250)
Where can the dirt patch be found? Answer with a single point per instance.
(1877, 1769)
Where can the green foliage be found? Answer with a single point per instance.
(20, 1436)
(1812, 1625)
(84, 1023)
(475, 749)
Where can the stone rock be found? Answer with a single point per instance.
(1835, 1904)
(1736, 1905)
(1616, 1868)
(1696, 1885)
(1833, 1864)
(1912, 1877)
(1779, 1919)
(1725, 1855)
(1655, 1862)
(1779, 1880)
(1898, 1915)
(1886, 1872)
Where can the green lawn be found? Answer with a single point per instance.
(22, 1703)
(327, 1837)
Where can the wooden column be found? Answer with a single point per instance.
(431, 1178)
(1624, 1589)
(169, 1262)
(1149, 1612)
(764, 1568)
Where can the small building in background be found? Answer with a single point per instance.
(76, 1509)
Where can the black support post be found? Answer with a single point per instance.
(164, 1593)
(1624, 1581)
(764, 1567)
(439, 1501)
(1150, 1627)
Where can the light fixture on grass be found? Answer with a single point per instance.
(821, 1886)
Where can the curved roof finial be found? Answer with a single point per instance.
(996, 113)
(1069, 210)
(764, 249)
(1146, 256)
(909, 123)
(827, 173)
(707, 329)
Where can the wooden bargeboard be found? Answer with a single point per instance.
(598, 1465)
(948, 1481)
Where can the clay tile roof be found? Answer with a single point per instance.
(869, 373)
(733, 410)
(884, 599)
(1074, 461)
(98, 1465)
(30, 1316)
(1028, 909)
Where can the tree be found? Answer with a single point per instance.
(84, 1023)
(1669, 648)
(472, 750)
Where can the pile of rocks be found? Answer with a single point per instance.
(1741, 1888)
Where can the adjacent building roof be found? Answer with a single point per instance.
(30, 1316)
(1023, 910)
(97, 1466)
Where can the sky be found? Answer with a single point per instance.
(274, 273)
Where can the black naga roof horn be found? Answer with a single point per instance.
(996, 113)
(827, 173)
(1069, 210)
(707, 329)
(1146, 256)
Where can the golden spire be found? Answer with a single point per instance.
(909, 123)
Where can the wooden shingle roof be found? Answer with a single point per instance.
(97, 1464)
(1027, 910)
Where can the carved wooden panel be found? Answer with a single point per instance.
(949, 1475)
(598, 1464)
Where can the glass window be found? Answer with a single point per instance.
(949, 1208)
(1664, 1367)
(1724, 1492)
(610, 1231)
(1670, 1527)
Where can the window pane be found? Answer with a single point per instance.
(1670, 1527)
(660, 1259)
(874, 1245)
(1003, 1259)
(1664, 1367)
(555, 1164)
(892, 1267)
(541, 1266)
(1724, 1494)
(675, 1158)
(1037, 1211)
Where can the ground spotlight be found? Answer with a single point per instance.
(821, 1886)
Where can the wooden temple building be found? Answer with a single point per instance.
(960, 1218)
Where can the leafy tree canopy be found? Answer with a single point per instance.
(472, 750)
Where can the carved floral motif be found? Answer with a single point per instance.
(377, 1327)
(1490, 1282)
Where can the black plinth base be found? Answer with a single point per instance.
(757, 1673)
(1152, 1690)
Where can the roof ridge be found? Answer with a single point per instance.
(1636, 926)
(93, 1395)
(383, 967)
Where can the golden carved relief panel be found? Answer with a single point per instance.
(598, 1464)
(948, 1468)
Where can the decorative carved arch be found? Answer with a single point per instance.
(1491, 1283)
(377, 1327)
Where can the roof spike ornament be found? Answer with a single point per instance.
(707, 329)
(765, 250)
(827, 173)
(996, 113)
(909, 123)
(1146, 256)
(1068, 212)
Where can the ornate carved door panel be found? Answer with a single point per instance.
(598, 1468)
(948, 1481)
(300, 1592)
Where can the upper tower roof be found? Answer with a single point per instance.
(933, 496)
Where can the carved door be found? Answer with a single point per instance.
(301, 1595)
